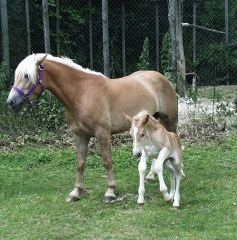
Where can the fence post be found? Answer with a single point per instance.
(5, 35)
(227, 37)
(58, 29)
(194, 83)
(123, 40)
(90, 36)
(46, 26)
(157, 37)
(28, 26)
(105, 26)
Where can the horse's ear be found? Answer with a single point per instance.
(127, 117)
(40, 61)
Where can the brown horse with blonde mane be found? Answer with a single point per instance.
(94, 104)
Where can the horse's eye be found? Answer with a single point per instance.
(142, 135)
(26, 75)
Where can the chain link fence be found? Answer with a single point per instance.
(136, 28)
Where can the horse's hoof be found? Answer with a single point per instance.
(175, 208)
(148, 179)
(72, 199)
(109, 199)
(141, 205)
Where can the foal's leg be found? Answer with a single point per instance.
(151, 175)
(171, 169)
(142, 172)
(164, 153)
(104, 140)
(178, 174)
(81, 145)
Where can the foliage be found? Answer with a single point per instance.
(42, 114)
(3, 77)
(166, 63)
(36, 181)
(144, 59)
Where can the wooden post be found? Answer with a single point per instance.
(58, 45)
(28, 27)
(90, 37)
(227, 36)
(105, 26)
(194, 83)
(123, 40)
(5, 35)
(46, 26)
(157, 38)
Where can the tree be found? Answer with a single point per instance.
(144, 62)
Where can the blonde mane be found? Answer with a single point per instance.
(29, 66)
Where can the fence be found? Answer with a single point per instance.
(75, 29)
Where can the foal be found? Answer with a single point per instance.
(151, 138)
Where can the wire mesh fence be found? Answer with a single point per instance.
(75, 29)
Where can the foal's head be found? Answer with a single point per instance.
(138, 131)
(28, 81)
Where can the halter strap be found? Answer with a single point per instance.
(31, 90)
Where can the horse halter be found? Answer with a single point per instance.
(31, 90)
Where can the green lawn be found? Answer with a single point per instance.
(35, 183)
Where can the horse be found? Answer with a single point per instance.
(150, 138)
(94, 104)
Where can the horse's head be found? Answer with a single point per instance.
(28, 81)
(138, 131)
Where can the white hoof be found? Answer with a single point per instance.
(176, 205)
(73, 196)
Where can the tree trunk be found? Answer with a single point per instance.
(46, 26)
(105, 25)
(181, 68)
(176, 35)
(28, 27)
(5, 36)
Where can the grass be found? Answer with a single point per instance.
(223, 92)
(36, 181)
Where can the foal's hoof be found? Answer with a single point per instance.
(109, 199)
(72, 199)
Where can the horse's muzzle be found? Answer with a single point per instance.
(137, 154)
(16, 103)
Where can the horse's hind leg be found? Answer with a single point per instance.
(104, 140)
(81, 145)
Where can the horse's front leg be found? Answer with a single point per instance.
(81, 146)
(104, 140)
(142, 172)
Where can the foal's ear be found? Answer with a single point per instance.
(147, 118)
(40, 61)
(127, 117)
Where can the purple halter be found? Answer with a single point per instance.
(31, 90)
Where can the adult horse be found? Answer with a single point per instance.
(94, 104)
